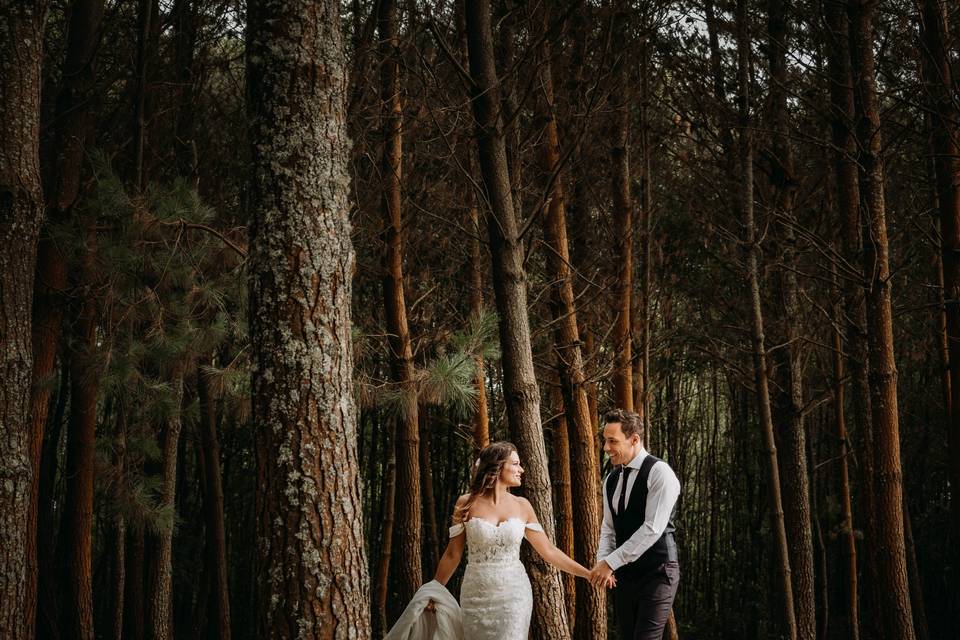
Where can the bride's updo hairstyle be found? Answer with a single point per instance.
(486, 470)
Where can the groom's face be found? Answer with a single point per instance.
(619, 447)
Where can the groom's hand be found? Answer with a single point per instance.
(601, 574)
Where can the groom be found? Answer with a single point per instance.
(636, 538)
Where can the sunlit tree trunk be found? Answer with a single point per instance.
(889, 552)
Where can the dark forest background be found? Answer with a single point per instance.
(739, 219)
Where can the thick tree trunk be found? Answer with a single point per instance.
(21, 209)
(119, 532)
(941, 98)
(793, 441)
(759, 348)
(407, 560)
(591, 618)
(159, 611)
(889, 552)
(312, 560)
(213, 507)
(622, 221)
(520, 390)
(48, 616)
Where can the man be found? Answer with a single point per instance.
(636, 538)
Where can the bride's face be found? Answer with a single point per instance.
(511, 472)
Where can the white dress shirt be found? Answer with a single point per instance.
(663, 489)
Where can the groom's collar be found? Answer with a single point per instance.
(638, 459)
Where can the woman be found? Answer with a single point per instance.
(495, 597)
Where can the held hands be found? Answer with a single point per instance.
(602, 575)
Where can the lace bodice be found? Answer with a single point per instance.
(495, 596)
(493, 543)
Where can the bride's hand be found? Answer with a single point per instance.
(431, 607)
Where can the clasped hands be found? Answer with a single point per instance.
(602, 575)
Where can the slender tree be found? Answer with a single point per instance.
(944, 131)
(406, 557)
(889, 552)
(520, 390)
(762, 389)
(313, 568)
(793, 441)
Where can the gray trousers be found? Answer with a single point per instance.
(643, 604)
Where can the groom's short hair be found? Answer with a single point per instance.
(630, 423)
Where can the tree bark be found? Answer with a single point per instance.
(563, 498)
(77, 525)
(312, 560)
(591, 618)
(941, 99)
(21, 210)
(793, 441)
(520, 390)
(847, 532)
(159, 611)
(889, 551)
(407, 556)
(842, 110)
(759, 349)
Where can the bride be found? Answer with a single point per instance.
(490, 522)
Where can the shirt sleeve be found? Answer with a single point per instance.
(608, 537)
(663, 489)
(456, 530)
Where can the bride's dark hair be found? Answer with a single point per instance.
(486, 470)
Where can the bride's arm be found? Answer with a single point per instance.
(451, 557)
(549, 551)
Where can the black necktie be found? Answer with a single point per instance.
(623, 489)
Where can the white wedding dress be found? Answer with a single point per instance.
(495, 596)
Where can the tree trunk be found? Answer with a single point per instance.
(77, 524)
(407, 560)
(481, 418)
(48, 616)
(431, 543)
(562, 497)
(119, 533)
(793, 459)
(890, 555)
(847, 531)
(312, 560)
(848, 200)
(591, 618)
(133, 601)
(213, 506)
(759, 349)
(159, 611)
(388, 500)
(622, 220)
(21, 210)
(521, 394)
(64, 154)
(941, 98)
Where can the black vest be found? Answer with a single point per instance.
(634, 515)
